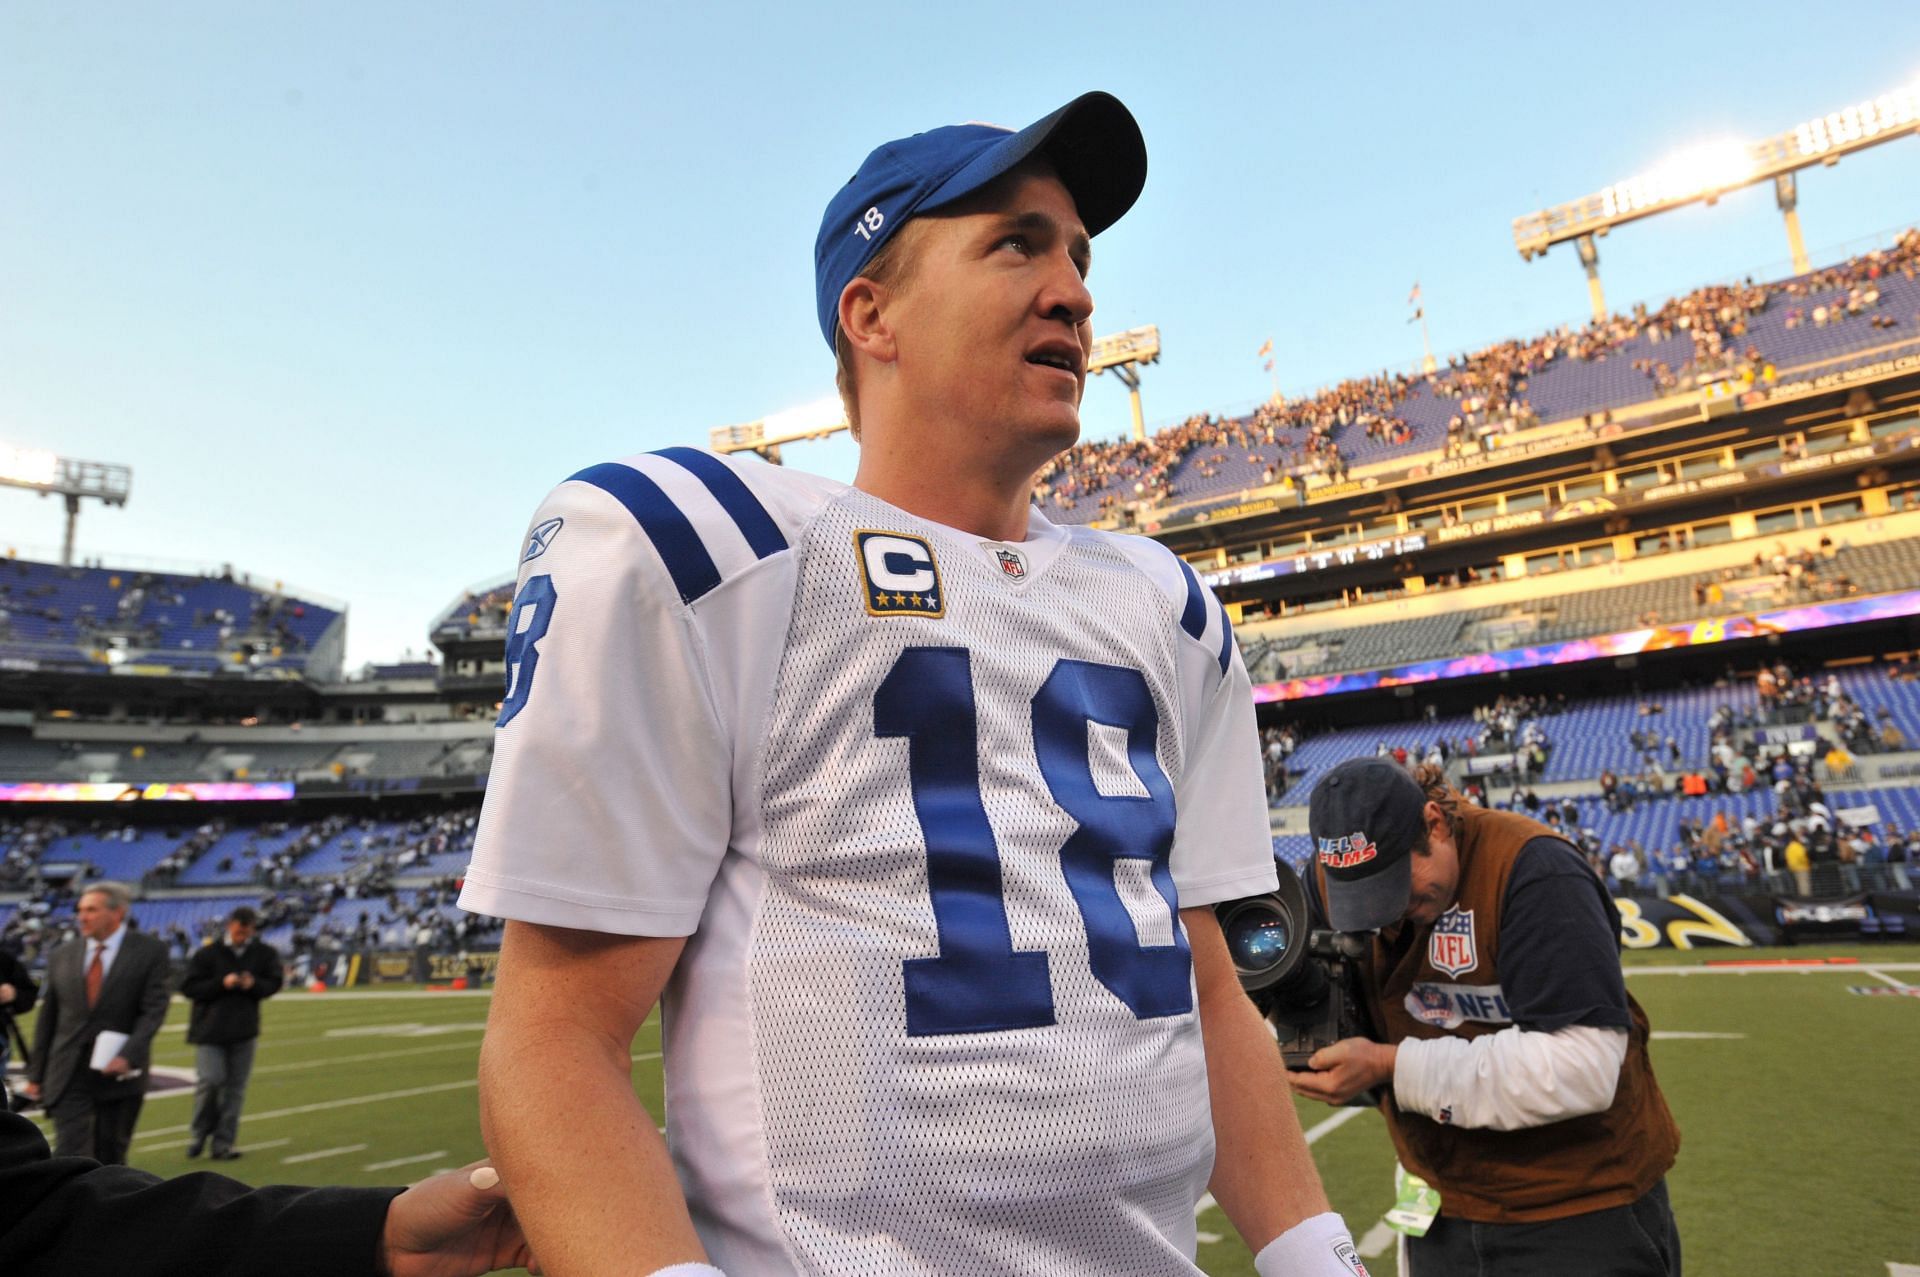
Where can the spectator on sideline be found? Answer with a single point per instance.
(226, 981)
(109, 979)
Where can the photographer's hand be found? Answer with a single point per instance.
(450, 1226)
(1345, 1069)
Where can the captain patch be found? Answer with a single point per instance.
(1450, 949)
(899, 575)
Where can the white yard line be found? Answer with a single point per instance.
(1812, 966)
(347, 995)
(249, 1146)
(1880, 973)
(298, 1065)
(317, 1154)
(1376, 1241)
(404, 1161)
(349, 1101)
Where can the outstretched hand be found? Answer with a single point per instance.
(1343, 1070)
(455, 1224)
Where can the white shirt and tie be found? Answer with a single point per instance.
(108, 1044)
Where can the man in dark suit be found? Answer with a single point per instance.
(226, 981)
(111, 979)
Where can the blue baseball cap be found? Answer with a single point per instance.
(1093, 142)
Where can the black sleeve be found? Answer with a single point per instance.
(25, 991)
(1560, 943)
(60, 1216)
(267, 973)
(43, 1030)
(201, 981)
(154, 998)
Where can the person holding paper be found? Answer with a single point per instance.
(106, 995)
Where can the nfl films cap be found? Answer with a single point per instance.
(1093, 142)
(1366, 816)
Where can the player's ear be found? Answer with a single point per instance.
(863, 319)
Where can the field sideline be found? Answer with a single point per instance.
(1799, 1155)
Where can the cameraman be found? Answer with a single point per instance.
(1515, 1061)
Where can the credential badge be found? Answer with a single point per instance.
(1450, 949)
(899, 575)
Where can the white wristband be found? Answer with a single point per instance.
(1317, 1247)
(689, 1270)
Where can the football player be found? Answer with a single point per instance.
(906, 804)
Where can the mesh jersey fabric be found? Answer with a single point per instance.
(935, 1016)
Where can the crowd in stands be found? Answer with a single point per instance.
(1277, 745)
(1781, 852)
(1808, 574)
(484, 612)
(369, 857)
(1488, 388)
(213, 617)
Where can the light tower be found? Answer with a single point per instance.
(1702, 174)
(44, 472)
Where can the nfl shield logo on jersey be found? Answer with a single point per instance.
(1012, 565)
(1451, 947)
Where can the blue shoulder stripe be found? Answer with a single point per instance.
(1226, 640)
(1194, 619)
(762, 533)
(679, 546)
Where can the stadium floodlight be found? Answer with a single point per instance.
(1122, 354)
(1703, 173)
(45, 472)
(819, 418)
(815, 419)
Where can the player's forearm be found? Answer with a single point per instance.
(590, 1177)
(1263, 1174)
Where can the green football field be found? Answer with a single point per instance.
(1794, 1094)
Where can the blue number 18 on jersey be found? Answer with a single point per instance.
(980, 983)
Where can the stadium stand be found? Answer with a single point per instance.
(1777, 579)
(53, 615)
(476, 612)
(1744, 334)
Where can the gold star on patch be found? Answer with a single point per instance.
(899, 600)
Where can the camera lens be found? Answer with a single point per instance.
(1259, 940)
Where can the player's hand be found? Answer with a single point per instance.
(447, 1227)
(1343, 1070)
(117, 1067)
(30, 1089)
(7, 993)
(230, 980)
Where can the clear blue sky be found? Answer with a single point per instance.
(350, 285)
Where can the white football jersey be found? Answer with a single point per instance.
(928, 806)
